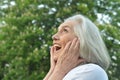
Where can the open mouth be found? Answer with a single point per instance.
(57, 47)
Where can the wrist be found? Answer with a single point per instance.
(59, 72)
(57, 75)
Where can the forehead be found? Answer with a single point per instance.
(69, 24)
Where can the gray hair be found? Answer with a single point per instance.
(92, 47)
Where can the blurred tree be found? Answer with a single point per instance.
(26, 27)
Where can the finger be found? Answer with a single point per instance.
(73, 44)
(77, 44)
(67, 46)
(52, 50)
(64, 53)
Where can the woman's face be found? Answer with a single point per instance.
(63, 36)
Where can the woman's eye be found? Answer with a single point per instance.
(65, 30)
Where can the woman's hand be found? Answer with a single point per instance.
(52, 61)
(68, 59)
(52, 64)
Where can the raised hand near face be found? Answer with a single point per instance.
(52, 61)
(68, 59)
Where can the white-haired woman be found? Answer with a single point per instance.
(78, 52)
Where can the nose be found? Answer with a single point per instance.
(55, 37)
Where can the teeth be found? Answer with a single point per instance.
(56, 45)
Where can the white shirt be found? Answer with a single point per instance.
(86, 72)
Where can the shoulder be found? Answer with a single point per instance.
(87, 72)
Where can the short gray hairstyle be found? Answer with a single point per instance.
(92, 47)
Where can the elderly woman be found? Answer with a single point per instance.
(78, 52)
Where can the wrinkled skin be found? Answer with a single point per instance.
(67, 57)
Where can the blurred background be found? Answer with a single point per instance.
(26, 27)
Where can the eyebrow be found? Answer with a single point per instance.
(64, 26)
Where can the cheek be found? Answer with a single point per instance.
(70, 37)
(67, 38)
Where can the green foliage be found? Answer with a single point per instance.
(111, 37)
(26, 28)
